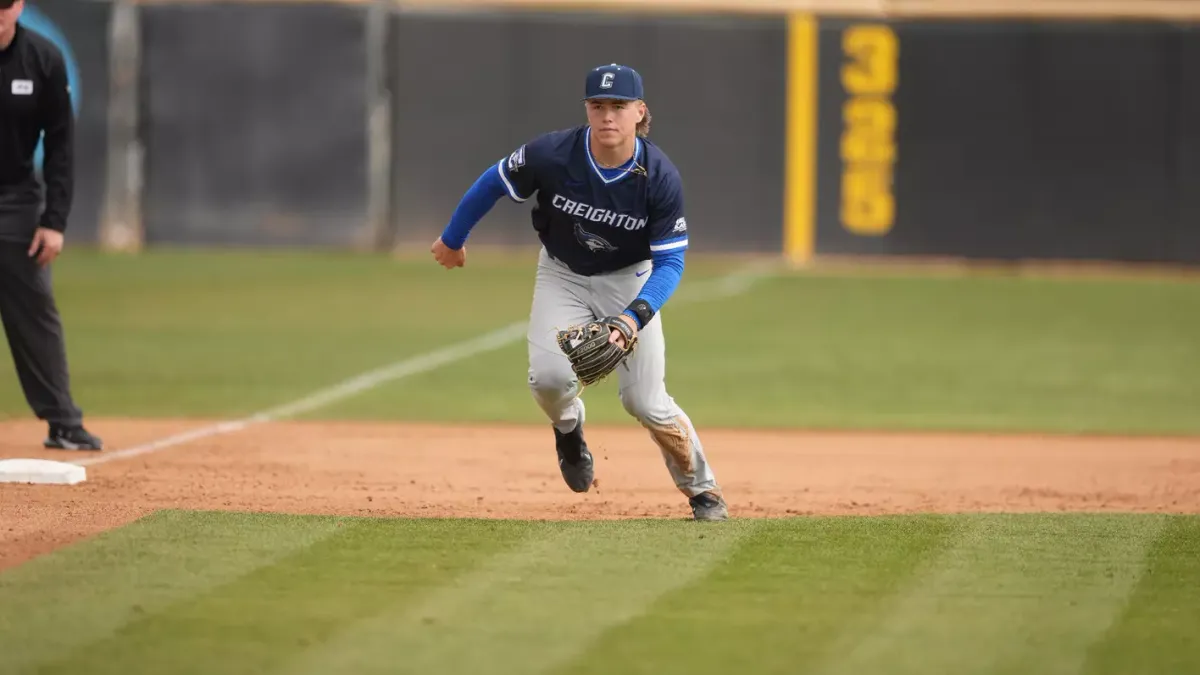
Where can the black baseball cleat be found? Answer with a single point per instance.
(709, 506)
(574, 459)
(72, 438)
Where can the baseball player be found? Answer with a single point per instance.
(609, 212)
(35, 101)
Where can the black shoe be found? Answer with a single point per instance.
(574, 460)
(709, 506)
(72, 438)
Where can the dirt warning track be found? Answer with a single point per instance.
(427, 470)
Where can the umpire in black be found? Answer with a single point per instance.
(35, 100)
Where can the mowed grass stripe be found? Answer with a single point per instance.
(1159, 631)
(993, 594)
(1015, 594)
(535, 607)
(89, 592)
(262, 619)
(777, 603)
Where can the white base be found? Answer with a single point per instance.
(41, 471)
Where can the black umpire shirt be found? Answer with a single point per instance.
(35, 99)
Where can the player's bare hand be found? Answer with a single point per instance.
(448, 257)
(46, 244)
(615, 336)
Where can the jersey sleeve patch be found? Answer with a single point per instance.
(517, 159)
(503, 169)
(519, 169)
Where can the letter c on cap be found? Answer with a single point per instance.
(606, 81)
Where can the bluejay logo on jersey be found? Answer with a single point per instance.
(680, 225)
(595, 215)
(592, 242)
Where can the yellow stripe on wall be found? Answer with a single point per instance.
(800, 178)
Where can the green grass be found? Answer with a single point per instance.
(225, 334)
(229, 593)
(221, 334)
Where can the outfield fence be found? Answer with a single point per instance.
(1065, 129)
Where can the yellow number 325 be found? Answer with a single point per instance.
(868, 143)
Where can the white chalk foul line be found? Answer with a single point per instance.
(355, 385)
(733, 284)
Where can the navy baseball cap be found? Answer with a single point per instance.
(613, 81)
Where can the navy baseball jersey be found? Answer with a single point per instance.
(596, 219)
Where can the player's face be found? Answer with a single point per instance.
(9, 13)
(613, 121)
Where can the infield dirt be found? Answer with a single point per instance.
(474, 471)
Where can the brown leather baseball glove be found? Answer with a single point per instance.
(592, 354)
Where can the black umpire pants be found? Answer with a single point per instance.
(35, 335)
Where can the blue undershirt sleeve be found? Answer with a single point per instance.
(475, 204)
(663, 280)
